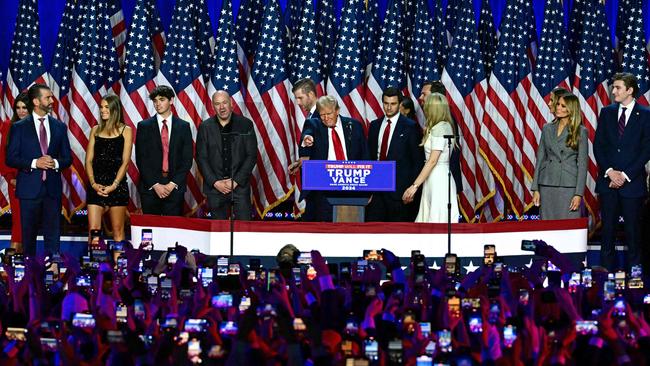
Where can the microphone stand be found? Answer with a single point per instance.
(232, 187)
(449, 146)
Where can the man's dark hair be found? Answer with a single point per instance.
(392, 91)
(306, 85)
(162, 91)
(408, 104)
(438, 87)
(34, 92)
(629, 80)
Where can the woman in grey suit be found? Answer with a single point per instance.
(561, 167)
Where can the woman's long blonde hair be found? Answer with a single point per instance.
(575, 120)
(114, 121)
(436, 110)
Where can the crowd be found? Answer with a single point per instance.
(119, 306)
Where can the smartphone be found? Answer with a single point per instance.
(509, 335)
(147, 239)
(205, 273)
(19, 272)
(152, 284)
(16, 334)
(609, 290)
(425, 329)
(475, 323)
(424, 360)
(586, 277)
(619, 280)
(121, 313)
(172, 256)
(82, 320)
(193, 348)
(395, 352)
(139, 309)
(304, 258)
(524, 296)
(619, 308)
(84, 281)
(450, 264)
(297, 279)
(587, 327)
(115, 336)
(222, 301)
(373, 255)
(244, 304)
(49, 344)
(444, 340)
(636, 271)
(222, 266)
(646, 299)
(371, 349)
(489, 253)
(453, 303)
(93, 238)
(196, 325)
(528, 245)
(299, 325)
(254, 263)
(574, 282)
(228, 328)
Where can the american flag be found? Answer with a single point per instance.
(139, 73)
(487, 36)
(204, 39)
(633, 47)
(181, 70)
(371, 24)
(249, 21)
(60, 80)
(387, 69)
(466, 80)
(594, 64)
(118, 27)
(409, 9)
(225, 75)
(424, 54)
(269, 106)
(552, 69)
(327, 26)
(507, 119)
(346, 77)
(95, 72)
(25, 60)
(306, 59)
(292, 15)
(454, 7)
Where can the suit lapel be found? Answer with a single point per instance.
(347, 134)
(399, 130)
(32, 133)
(632, 122)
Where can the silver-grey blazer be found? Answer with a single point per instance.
(559, 165)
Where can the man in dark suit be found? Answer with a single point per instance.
(395, 137)
(621, 148)
(330, 137)
(226, 152)
(304, 91)
(163, 153)
(39, 148)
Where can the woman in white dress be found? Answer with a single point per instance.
(433, 177)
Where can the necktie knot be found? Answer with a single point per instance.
(42, 119)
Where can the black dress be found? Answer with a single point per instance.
(106, 162)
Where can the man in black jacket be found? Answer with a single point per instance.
(226, 152)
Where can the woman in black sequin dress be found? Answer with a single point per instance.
(107, 158)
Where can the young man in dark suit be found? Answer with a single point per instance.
(226, 152)
(395, 137)
(330, 137)
(39, 148)
(621, 148)
(163, 152)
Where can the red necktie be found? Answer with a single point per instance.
(164, 136)
(384, 142)
(43, 142)
(621, 122)
(338, 147)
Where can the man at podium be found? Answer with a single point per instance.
(332, 137)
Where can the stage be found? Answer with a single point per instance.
(348, 240)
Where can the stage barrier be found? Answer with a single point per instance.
(265, 238)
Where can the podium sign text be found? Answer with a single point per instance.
(338, 175)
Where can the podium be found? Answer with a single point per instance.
(350, 182)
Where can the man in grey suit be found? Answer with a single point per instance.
(226, 152)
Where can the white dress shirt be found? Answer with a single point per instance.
(169, 124)
(393, 123)
(37, 126)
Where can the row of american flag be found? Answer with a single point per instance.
(498, 81)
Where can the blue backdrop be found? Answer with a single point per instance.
(51, 11)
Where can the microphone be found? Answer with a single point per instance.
(449, 136)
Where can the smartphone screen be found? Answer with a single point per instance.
(147, 239)
(509, 335)
(489, 253)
